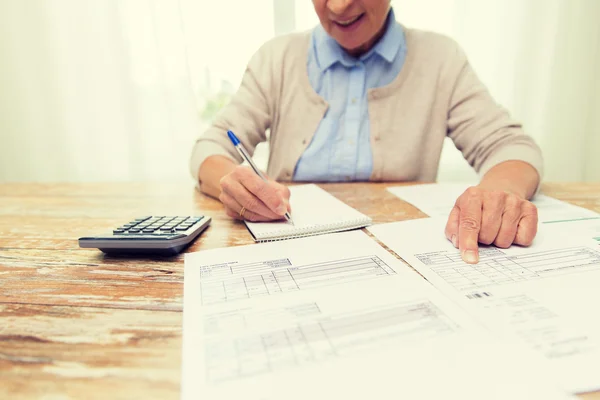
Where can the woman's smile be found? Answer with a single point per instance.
(348, 24)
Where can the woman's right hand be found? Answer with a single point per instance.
(247, 197)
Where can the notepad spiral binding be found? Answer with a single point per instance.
(312, 230)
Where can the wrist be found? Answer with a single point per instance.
(516, 177)
(506, 186)
(211, 171)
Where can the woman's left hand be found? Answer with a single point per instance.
(487, 216)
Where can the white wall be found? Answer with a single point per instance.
(113, 89)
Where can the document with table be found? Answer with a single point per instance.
(544, 297)
(337, 316)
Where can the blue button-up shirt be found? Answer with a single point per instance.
(341, 148)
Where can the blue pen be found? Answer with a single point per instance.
(240, 148)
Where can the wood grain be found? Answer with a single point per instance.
(87, 352)
(75, 323)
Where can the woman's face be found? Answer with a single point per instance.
(355, 24)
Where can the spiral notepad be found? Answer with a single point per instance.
(314, 212)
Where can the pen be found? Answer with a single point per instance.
(240, 148)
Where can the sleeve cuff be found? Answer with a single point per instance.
(204, 149)
(516, 152)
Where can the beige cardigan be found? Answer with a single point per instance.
(436, 94)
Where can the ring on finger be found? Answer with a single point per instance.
(242, 211)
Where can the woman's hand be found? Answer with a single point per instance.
(246, 196)
(487, 216)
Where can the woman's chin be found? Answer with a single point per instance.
(353, 47)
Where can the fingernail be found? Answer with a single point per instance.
(470, 256)
(453, 240)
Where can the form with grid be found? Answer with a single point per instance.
(323, 338)
(497, 268)
(240, 281)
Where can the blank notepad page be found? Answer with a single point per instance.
(314, 211)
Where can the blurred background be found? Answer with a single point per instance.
(118, 90)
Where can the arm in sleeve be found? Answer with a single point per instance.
(248, 114)
(483, 130)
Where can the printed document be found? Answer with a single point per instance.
(545, 296)
(437, 199)
(336, 316)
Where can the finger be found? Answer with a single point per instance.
(510, 222)
(469, 225)
(249, 216)
(266, 192)
(452, 226)
(232, 204)
(233, 214)
(233, 209)
(528, 225)
(491, 217)
(285, 193)
(246, 199)
(253, 203)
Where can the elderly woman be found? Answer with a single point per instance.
(362, 97)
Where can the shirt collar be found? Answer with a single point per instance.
(329, 52)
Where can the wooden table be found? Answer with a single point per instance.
(75, 323)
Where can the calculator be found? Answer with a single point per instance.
(159, 235)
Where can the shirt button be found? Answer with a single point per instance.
(354, 100)
(304, 141)
(377, 138)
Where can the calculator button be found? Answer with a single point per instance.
(152, 226)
